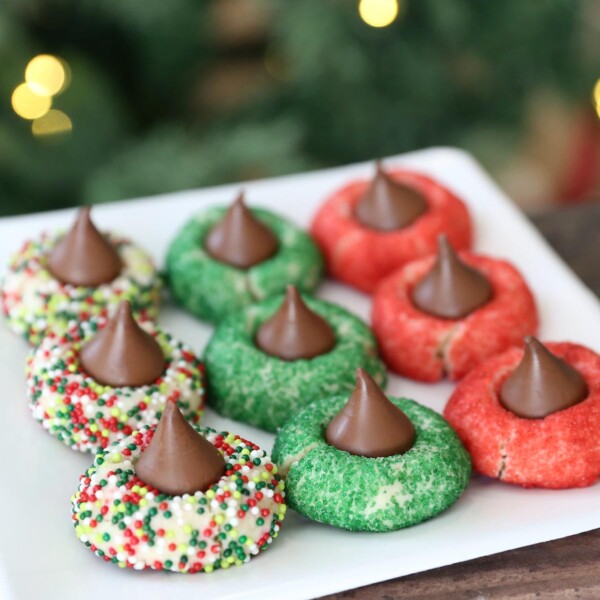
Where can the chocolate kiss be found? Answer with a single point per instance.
(122, 353)
(295, 331)
(452, 289)
(240, 239)
(178, 460)
(541, 384)
(84, 257)
(369, 424)
(388, 204)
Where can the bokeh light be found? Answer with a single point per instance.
(378, 13)
(597, 97)
(54, 122)
(28, 104)
(46, 75)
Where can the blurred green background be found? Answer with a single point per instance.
(167, 95)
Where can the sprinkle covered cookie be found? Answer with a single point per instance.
(366, 230)
(99, 381)
(179, 498)
(370, 463)
(267, 362)
(223, 260)
(531, 416)
(56, 281)
(446, 314)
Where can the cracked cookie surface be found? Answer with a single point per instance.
(248, 385)
(423, 347)
(35, 303)
(126, 522)
(361, 256)
(370, 494)
(559, 451)
(88, 416)
(211, 289)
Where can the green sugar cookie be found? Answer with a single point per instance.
(211, 289)
(370, 494)
(248, 385)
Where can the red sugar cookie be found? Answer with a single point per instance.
(424, 347)
(562, 450)
(361, 256)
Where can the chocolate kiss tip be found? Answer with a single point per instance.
(451, 289)
(122, 353)
(84, 257)
(541, 384)
(295, 331)
(178, 460)
(389, 205)
(240, 239)
(370, 424)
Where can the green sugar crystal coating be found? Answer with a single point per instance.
(370, 494)
(250, 386)
(211, 289)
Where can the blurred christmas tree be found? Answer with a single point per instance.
(185, 93)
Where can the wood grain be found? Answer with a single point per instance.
(563, 569)
(560, 570)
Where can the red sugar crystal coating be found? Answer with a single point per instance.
(561, 450)
(361, 256)
(421, 346)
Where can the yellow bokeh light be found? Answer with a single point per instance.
(378, 13)
(29, 105)
(597, 97)
(46, 75)
(52, 123)
(597, 92)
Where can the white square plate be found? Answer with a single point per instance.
(40, 557)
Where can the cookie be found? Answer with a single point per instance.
(246, 269)
(426, 347)
(560, 450)
(248, 384)
(378, 491)
(87, 414)
(361, 255)
(133, 525)
(35, 300)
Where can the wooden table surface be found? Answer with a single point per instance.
(562, 569)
